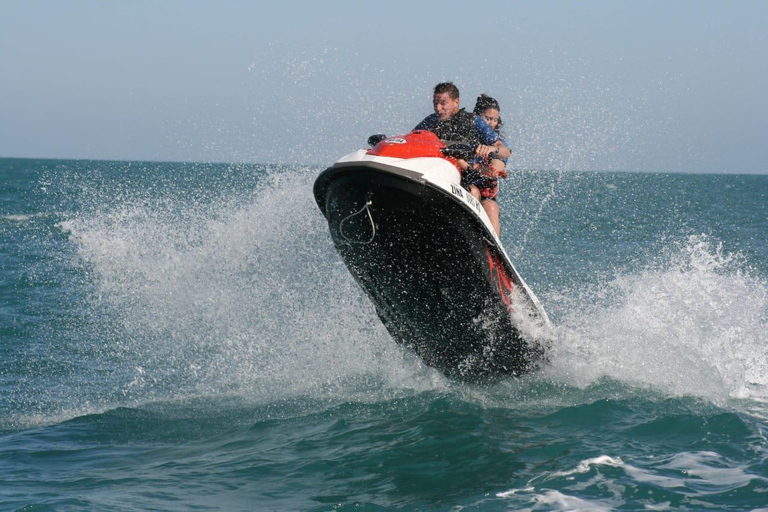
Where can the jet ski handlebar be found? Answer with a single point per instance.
(462, 151)
(375, 139)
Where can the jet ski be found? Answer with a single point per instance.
(424, 251)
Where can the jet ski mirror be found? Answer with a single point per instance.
(375, 139)
(463, 151)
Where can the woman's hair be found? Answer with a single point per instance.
(483, 103)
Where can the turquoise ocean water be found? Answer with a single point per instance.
(184, 337)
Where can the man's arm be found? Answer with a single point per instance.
(495, 150)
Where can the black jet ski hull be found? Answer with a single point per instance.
(423, 257)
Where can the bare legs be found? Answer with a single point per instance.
(496, 168)
(490, 206)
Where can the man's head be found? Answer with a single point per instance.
(446, 100)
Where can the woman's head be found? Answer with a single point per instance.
(488, 108)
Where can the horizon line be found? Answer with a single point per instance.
(198, 162)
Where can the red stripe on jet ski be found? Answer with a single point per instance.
(500, 276)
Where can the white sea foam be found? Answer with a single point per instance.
(707, 472)
(244, 298)
(556, 500)
(21, 217)
(539, 489)
(693, 325)
(585, 465)
(512, 492)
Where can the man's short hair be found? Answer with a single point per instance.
(448, 87)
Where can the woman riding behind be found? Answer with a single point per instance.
(482, 177)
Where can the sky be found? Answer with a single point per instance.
(656, 86)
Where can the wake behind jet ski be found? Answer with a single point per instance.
(425, 252)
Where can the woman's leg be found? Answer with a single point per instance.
(491, 208)
(475, 192)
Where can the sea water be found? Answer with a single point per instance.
(184, 336)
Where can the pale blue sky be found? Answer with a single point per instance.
(635, 85)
